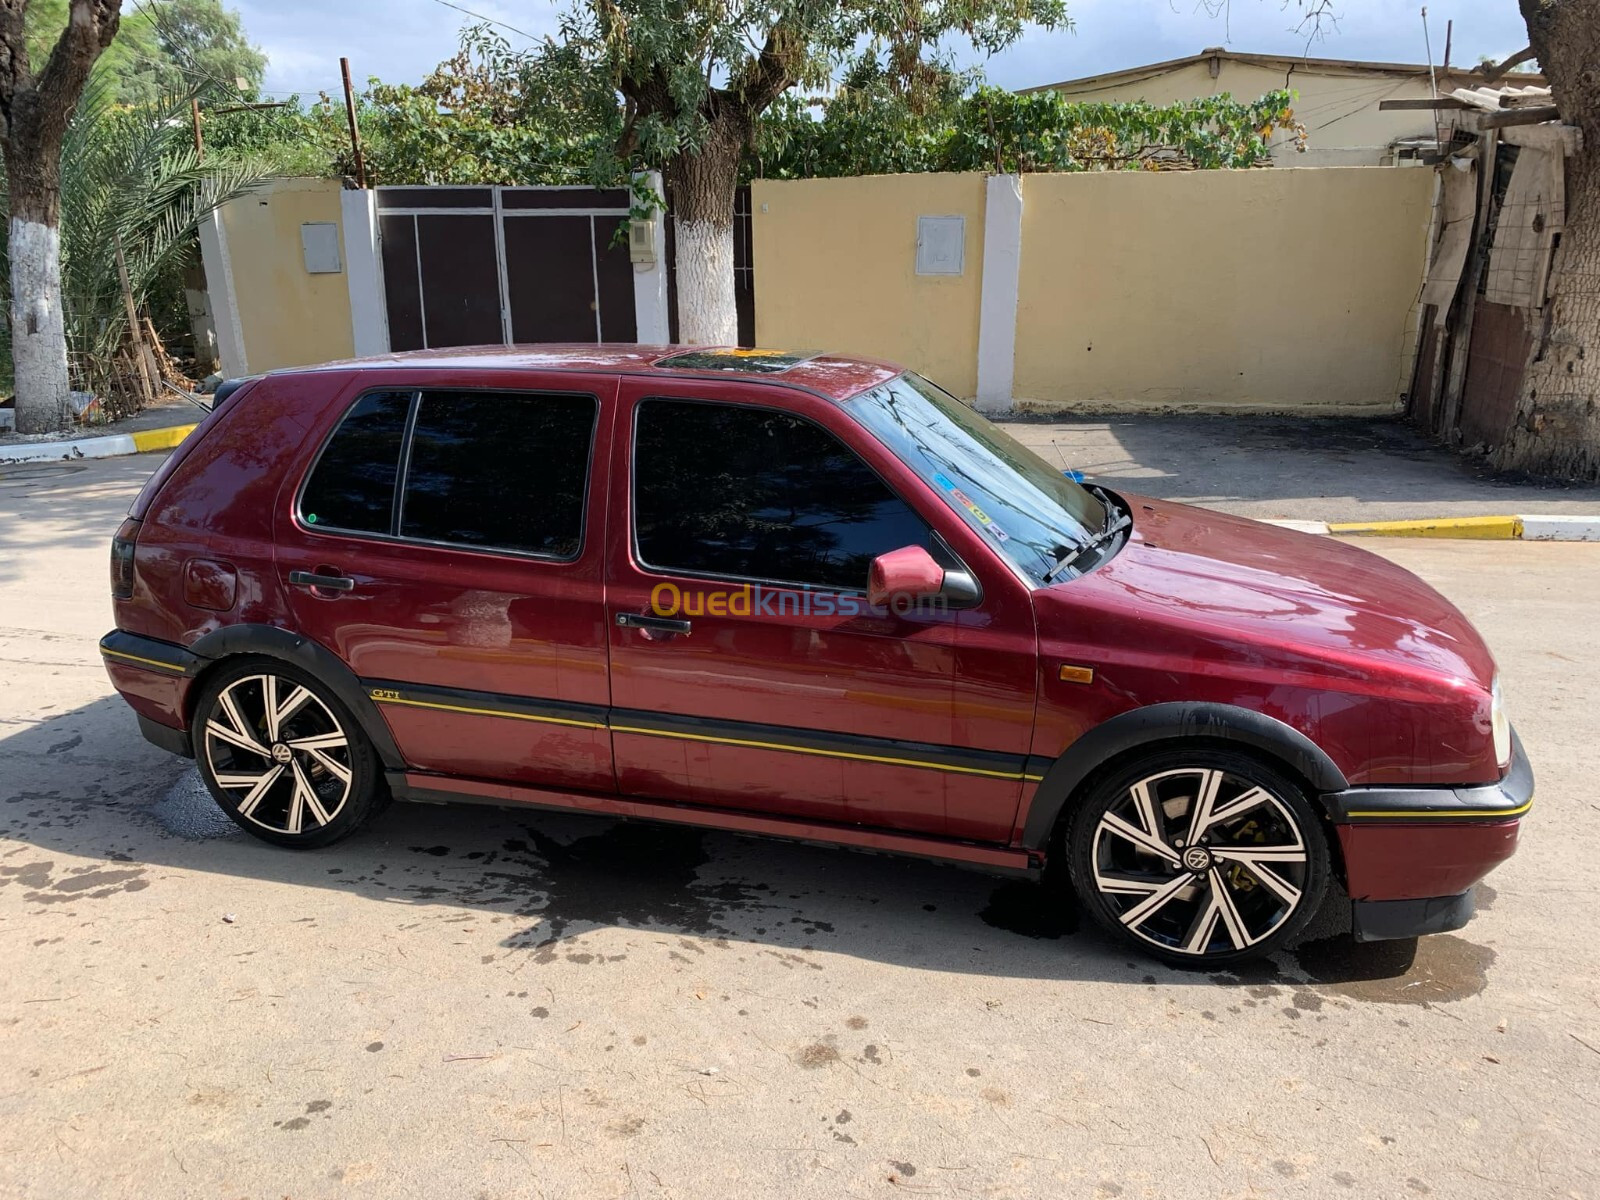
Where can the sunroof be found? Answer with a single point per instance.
(745, 362)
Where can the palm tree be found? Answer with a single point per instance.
(130, 179)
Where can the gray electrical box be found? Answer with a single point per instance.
(319, 244)
(941, 245)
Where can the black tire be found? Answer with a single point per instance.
(307, 801)
(1263, 852)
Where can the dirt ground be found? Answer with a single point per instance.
(490, 1003)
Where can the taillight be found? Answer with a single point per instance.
(122, 547)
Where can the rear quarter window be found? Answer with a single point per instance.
(505, 471)
(352, 485)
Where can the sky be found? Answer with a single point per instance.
(401, 40)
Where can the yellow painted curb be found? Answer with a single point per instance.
(160, 439)
(1483, 528)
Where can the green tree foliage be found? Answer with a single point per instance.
(164, 47)
(874, 132)
(488, 114)
(201, 48)
(493, 114)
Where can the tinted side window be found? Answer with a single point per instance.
(352, 486)
(500, 470)
(759, 494)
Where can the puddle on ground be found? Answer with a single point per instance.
(188, 811)
(1429, 970)
(630, 873)
(1036, 910)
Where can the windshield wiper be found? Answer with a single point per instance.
(1109, 530)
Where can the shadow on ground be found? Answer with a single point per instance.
(560, 875)
(85, 501)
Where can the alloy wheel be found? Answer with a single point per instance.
(278, 753)
(1200, 861)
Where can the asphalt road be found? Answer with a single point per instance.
(487, 1003)
(1312, 469)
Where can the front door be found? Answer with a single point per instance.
(748, 669)
(447, 544)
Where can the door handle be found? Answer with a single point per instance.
(652, 623)
(326, 583)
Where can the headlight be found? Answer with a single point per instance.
(1501, 726)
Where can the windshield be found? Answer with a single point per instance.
(1020, 504)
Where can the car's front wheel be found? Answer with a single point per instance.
(1200, 857)
(282, 756)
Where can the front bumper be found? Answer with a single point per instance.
(1412, 855)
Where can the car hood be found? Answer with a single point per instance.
(1271, 597)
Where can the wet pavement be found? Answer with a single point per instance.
(492, 1002)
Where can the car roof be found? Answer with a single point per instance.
(835, 376)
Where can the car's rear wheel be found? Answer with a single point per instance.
(1201, 858)
(282, 756)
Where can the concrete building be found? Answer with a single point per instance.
(1338, 101)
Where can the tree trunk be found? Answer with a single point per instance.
(34, 112)
(38, 330)
(700, 188)
(1557, 426)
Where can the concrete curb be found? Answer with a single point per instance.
(111, 446)
(1541, 528)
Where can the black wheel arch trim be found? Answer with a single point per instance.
(1172, 722)
(233, 641)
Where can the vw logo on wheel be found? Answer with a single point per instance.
(1197, 858)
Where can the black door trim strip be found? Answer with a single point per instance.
(485, 704)
(958, 759)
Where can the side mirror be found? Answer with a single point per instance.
(909, 571)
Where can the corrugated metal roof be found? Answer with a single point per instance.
(1495, 98)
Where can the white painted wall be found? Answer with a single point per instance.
(224, 301)
(997, 312)
(650, 279)
(369, 316)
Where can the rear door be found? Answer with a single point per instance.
(749, 515)
(447, 544)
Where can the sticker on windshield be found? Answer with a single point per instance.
(967, 503)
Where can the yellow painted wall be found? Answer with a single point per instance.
(835, 269)
(1265, 289)
(289, 316)
(1338, 108)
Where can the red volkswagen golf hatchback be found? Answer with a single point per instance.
(808, 596)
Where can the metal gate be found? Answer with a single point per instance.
(468, 266)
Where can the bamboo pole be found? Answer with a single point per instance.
(148, 388)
